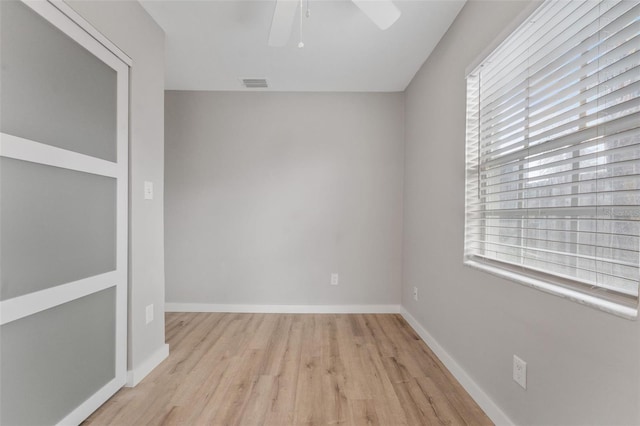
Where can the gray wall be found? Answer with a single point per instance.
(269, 193)
(129, 26)
(583, 365)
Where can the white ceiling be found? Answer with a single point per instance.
(212, 45)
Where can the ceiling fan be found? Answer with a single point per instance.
(383, 13)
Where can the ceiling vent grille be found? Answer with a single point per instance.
(255, 83)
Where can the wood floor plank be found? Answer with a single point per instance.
(334, 398)
(283, 394)
(286, 369)
(388, 406)
(363, 412)
(276, 345)
(308, 408)
(355, 375)
(442, 408)
(233, 405)
(258, 402)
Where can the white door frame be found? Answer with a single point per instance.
(73, 25)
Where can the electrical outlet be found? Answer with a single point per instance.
(335, 279)
(415, 293)
(149, 313)
(520, 371)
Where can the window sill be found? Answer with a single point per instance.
(618, 309)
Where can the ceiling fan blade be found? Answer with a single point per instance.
(282, 22)
(383, 13)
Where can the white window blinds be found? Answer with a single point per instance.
(553, 150)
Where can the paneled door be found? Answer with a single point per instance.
(63, 215)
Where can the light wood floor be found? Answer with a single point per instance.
(275, 369)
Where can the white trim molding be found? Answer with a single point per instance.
(482, 399)
(22, 306)
(100, 38)
(136, 375)
(283, 309)
(27, 150)
(506, 31)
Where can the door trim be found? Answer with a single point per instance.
(85, 25)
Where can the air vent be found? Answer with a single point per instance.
(255, 83)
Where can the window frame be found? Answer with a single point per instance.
(572, 289)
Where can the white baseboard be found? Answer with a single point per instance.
(136, 375)
(482, 399)
(283, 309)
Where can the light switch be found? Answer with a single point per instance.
(148, 190)
(149, 313)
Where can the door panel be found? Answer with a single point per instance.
(61, 220)
(54, 90)
(57, 357)
(63, 224)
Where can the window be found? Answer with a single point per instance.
(553, 154)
